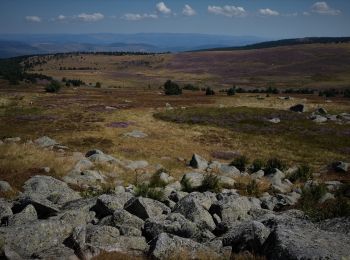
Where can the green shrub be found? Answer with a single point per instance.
(257, 165)
(209, 92)
(211, 182)
(53, 87)
(144, 190)
(172, 88)
(231, 91)
(240, 163)
(98, 85)
(273, 164)
(252, 189)
(347, 93)
(191, 87)
(303, 173)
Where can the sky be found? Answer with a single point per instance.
(263, 18)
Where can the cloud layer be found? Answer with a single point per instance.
(33, 19)
(188, 11)
(227, 10)
(324, 8)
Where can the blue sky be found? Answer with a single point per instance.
(265, 18)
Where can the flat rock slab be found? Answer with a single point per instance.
(136, 134)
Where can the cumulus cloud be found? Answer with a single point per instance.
(162, 8)
(227, 10)
(188, 11)
(33, 19)
(138, 17)
(90, 17)
(61, 17)
(268, 12)
(324, 8)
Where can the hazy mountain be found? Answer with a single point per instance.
(22, 44)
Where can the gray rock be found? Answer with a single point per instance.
(58, 253)
(340, 166)
(97, 156)
(257, 175)
(12, 140)
(298, 108)
(338, 225)
(146, 208)
(45, 142)
(229, 171)
(319, 119)
(49, 188)
(274, 120)
(174, 223)
(284, 200)
(44, 207)
(5, 186)
(5, 211)
(83, 164)
(227, 182)
(129, 231)
(176, 186)
(194, 178)
(233, 208)
(333, 185)
(85, 178)
(194, 211)
(295, 238)
(123, 218)
(325, 197)
(168, 246)
(166, 178)
(28, 214)
(1, 142)
(136, 134)
(268, 202)
(107, 204)
(137, 165)
(322, 111)
(248, 235)
(176, 196)
(198, 162)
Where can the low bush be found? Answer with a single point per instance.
(191, 87)
(252, 189)
(240, 163)
(144, 190)
(156, 181)
(211, 182)
(231, 91)
(257, 165)
(53, 87)
(172, 88)
(303, 173)
(273, 164)
(209, 92)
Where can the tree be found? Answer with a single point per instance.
(231, 91)
(172, 88)
(53, 87)
(98, 85)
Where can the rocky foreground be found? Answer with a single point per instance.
(50, 220)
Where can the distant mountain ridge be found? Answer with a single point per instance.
(22, 44)
(280, 43)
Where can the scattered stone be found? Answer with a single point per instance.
(5, 186)
(319, 119)
(122, 218)
(333, 185)
(229, 171)
(27, 215)
(107, 204)
(327, 196)
(340, 166)
(168, 246)
(136, 134)
(274, 120)
(227, 182)
(145, 208)
(98, 156)
(257, 175)
(194, 178)
(45, 142)
(322, 111)
(12, 140)
(85, 178)
(198, 162)
(137, 165)
(298, 108)
(83, 164)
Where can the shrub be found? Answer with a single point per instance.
(144, 190)
(240, 163)
(253, 189)
(303, 173)
(257, 165)
(347, 93)
(231, 91)
(53, 87)
(273, 164)
(191, 87)
(98, 85)
(172, 88)
(209, 92)
(211, 182)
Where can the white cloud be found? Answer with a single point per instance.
(162, 8)
(138, 17)
(33, 19)
(61, 17)
(324, 8)
(268, 12)
(188, 11)
(306, 13)
(90, 17)
(227, 10)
